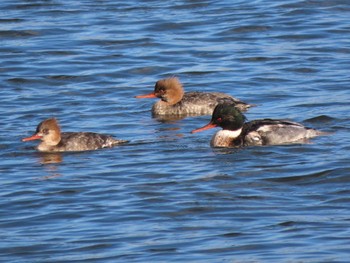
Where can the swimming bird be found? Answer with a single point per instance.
(53, 140)
(174, 101)
(237, 132)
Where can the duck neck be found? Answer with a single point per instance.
(174, 96)
(225, 138)
(53, 139)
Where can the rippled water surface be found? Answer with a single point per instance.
(167, 196)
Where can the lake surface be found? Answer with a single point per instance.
(168, 196)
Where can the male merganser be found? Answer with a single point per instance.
(236, 132)
(174, 101)
(54, 141)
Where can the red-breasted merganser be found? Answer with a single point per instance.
(236, 132)
(49, 132)
(174, 101)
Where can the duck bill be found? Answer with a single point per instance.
(206, 127)
(146, 96)
(34, 137)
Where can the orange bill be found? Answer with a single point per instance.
(206, 127)
(146, 96)
(34, 137)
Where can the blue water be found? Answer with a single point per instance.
(167, 196)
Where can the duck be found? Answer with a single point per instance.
(174, 101)
(236, 132)
(53, 140)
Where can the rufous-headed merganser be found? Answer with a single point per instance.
(174, 101)
(236, 132)
(49, 132)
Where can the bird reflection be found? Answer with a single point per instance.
(47, 158)
(170, 118)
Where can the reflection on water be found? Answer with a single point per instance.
(47, 158)
(169, 118)
(48, 177)
(50, 167)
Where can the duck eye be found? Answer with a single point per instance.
(45, 131)
(219, 119)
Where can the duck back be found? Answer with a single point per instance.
(197, 103)
(274, 132)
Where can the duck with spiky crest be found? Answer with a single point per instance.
(174, 101)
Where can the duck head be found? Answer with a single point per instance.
(169, 90)
(48, 131)
(226, 116)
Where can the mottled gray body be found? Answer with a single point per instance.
(80, 141)
(265, 132)
(197, 103)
